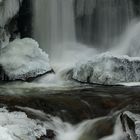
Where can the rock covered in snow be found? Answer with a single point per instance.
(108, 69)
(23, 59)
(17, 126)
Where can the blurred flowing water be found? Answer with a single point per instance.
(65, 27)
(78, 113)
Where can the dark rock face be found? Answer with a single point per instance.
(50, 135)
(137, 7)
(24, 19)
(131, 125)
(20, 25)
(4, 37)
(3, 76)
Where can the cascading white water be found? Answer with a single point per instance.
(86, 130)
(100, 22)
(60, 24)
(54, 25)
(8, 9)
(129, 43)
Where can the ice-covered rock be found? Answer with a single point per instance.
(23, 59)
(17, 126)
(108, 69)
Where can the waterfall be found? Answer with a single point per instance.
(54, 25)
(8, 9)
(73, 30)
(100, 22)
(60, 24)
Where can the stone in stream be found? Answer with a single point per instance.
(50, 135)
(131, 125)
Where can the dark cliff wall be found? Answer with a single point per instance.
(25, 19)
(137, 7)
(21, 24)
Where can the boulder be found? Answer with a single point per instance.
(22, 59)
(50, 135)
(108, 69)
(131, 125)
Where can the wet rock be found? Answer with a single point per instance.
(131, 125)
(99, 128)
(50, 135)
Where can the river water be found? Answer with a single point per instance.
(78, 113)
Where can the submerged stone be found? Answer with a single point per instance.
(22, 59)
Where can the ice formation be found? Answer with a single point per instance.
(8, 9)
(17, 126)
(23, 59)
(108, 69)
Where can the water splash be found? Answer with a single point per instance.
(129, 43)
